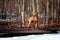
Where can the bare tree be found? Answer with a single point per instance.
(47, 10)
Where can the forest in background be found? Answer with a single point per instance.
(23, 9)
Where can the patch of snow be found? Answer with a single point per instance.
(35, 37)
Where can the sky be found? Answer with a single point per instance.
(35, 37)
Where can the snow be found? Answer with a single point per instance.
(35, 37)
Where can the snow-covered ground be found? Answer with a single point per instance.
(35, 37)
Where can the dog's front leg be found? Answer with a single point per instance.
(29, 24)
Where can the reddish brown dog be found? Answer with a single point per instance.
(33, 19)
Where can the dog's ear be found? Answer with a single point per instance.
(35, 13)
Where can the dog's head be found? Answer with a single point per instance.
(35, 14)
